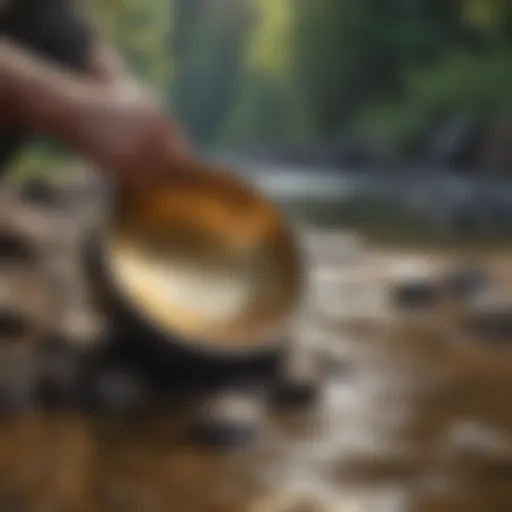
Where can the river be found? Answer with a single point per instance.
(412, 416)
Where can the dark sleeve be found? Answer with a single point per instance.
(65, 34)
(55, 30)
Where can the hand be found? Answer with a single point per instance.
(114, 122)
(126, 132)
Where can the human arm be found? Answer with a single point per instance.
(89, 102)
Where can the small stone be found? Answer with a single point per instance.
(416, 294)
(17, 396)
(479, 439)
(299, 380)
(27, 308)
(494, 326)
(228, 419)
(14, 325)
(83, 329)
(487, 317)
(463, 281)
(61, 373)
(331, 363)
(117, 390)
(292, 501)
(14, 247)
(19, 374)
(40, 192)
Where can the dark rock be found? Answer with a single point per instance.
(40, 192)
(228, 419)
(17, 396)
(298, 393)
(466, 280)
(13, 324)
(116, 390)
(15, 247)
(455, 144)
(420, 293)
(18, 377)
(299, 380)
(496, 154)
(61, 375)
(491, 326)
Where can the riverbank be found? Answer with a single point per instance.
(388, 224)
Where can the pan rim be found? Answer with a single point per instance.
(270, 338)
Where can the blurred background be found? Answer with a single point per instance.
(370, 122)
(399, 101)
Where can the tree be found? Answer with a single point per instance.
(140, 29)
(210, 38)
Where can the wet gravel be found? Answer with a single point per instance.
(378, 408)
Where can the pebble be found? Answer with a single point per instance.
(299, 381)
(19, 375)
(13, 324)
(479, 439)
(83, 329)
(117, 390)
(416, 293)
(306, 498)
(228, 419)
(61, 373)
(41, 192)
(493, 326)
(15, 247)
(27, 307)
(17, 396)
(465, 280)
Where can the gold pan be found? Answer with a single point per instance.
(208, 260)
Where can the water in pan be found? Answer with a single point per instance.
(213, 297)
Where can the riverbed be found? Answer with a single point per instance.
(410, 417)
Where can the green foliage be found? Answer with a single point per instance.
(265, 112)
(140, 31)
(459, 83)
(41, 157)
(270, 72)
(270, 49)
(314, 67)
(208, 61)
(268, 107)
(492, 16)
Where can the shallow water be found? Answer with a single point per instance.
(417, 419)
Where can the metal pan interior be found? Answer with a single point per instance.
(207, 260)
